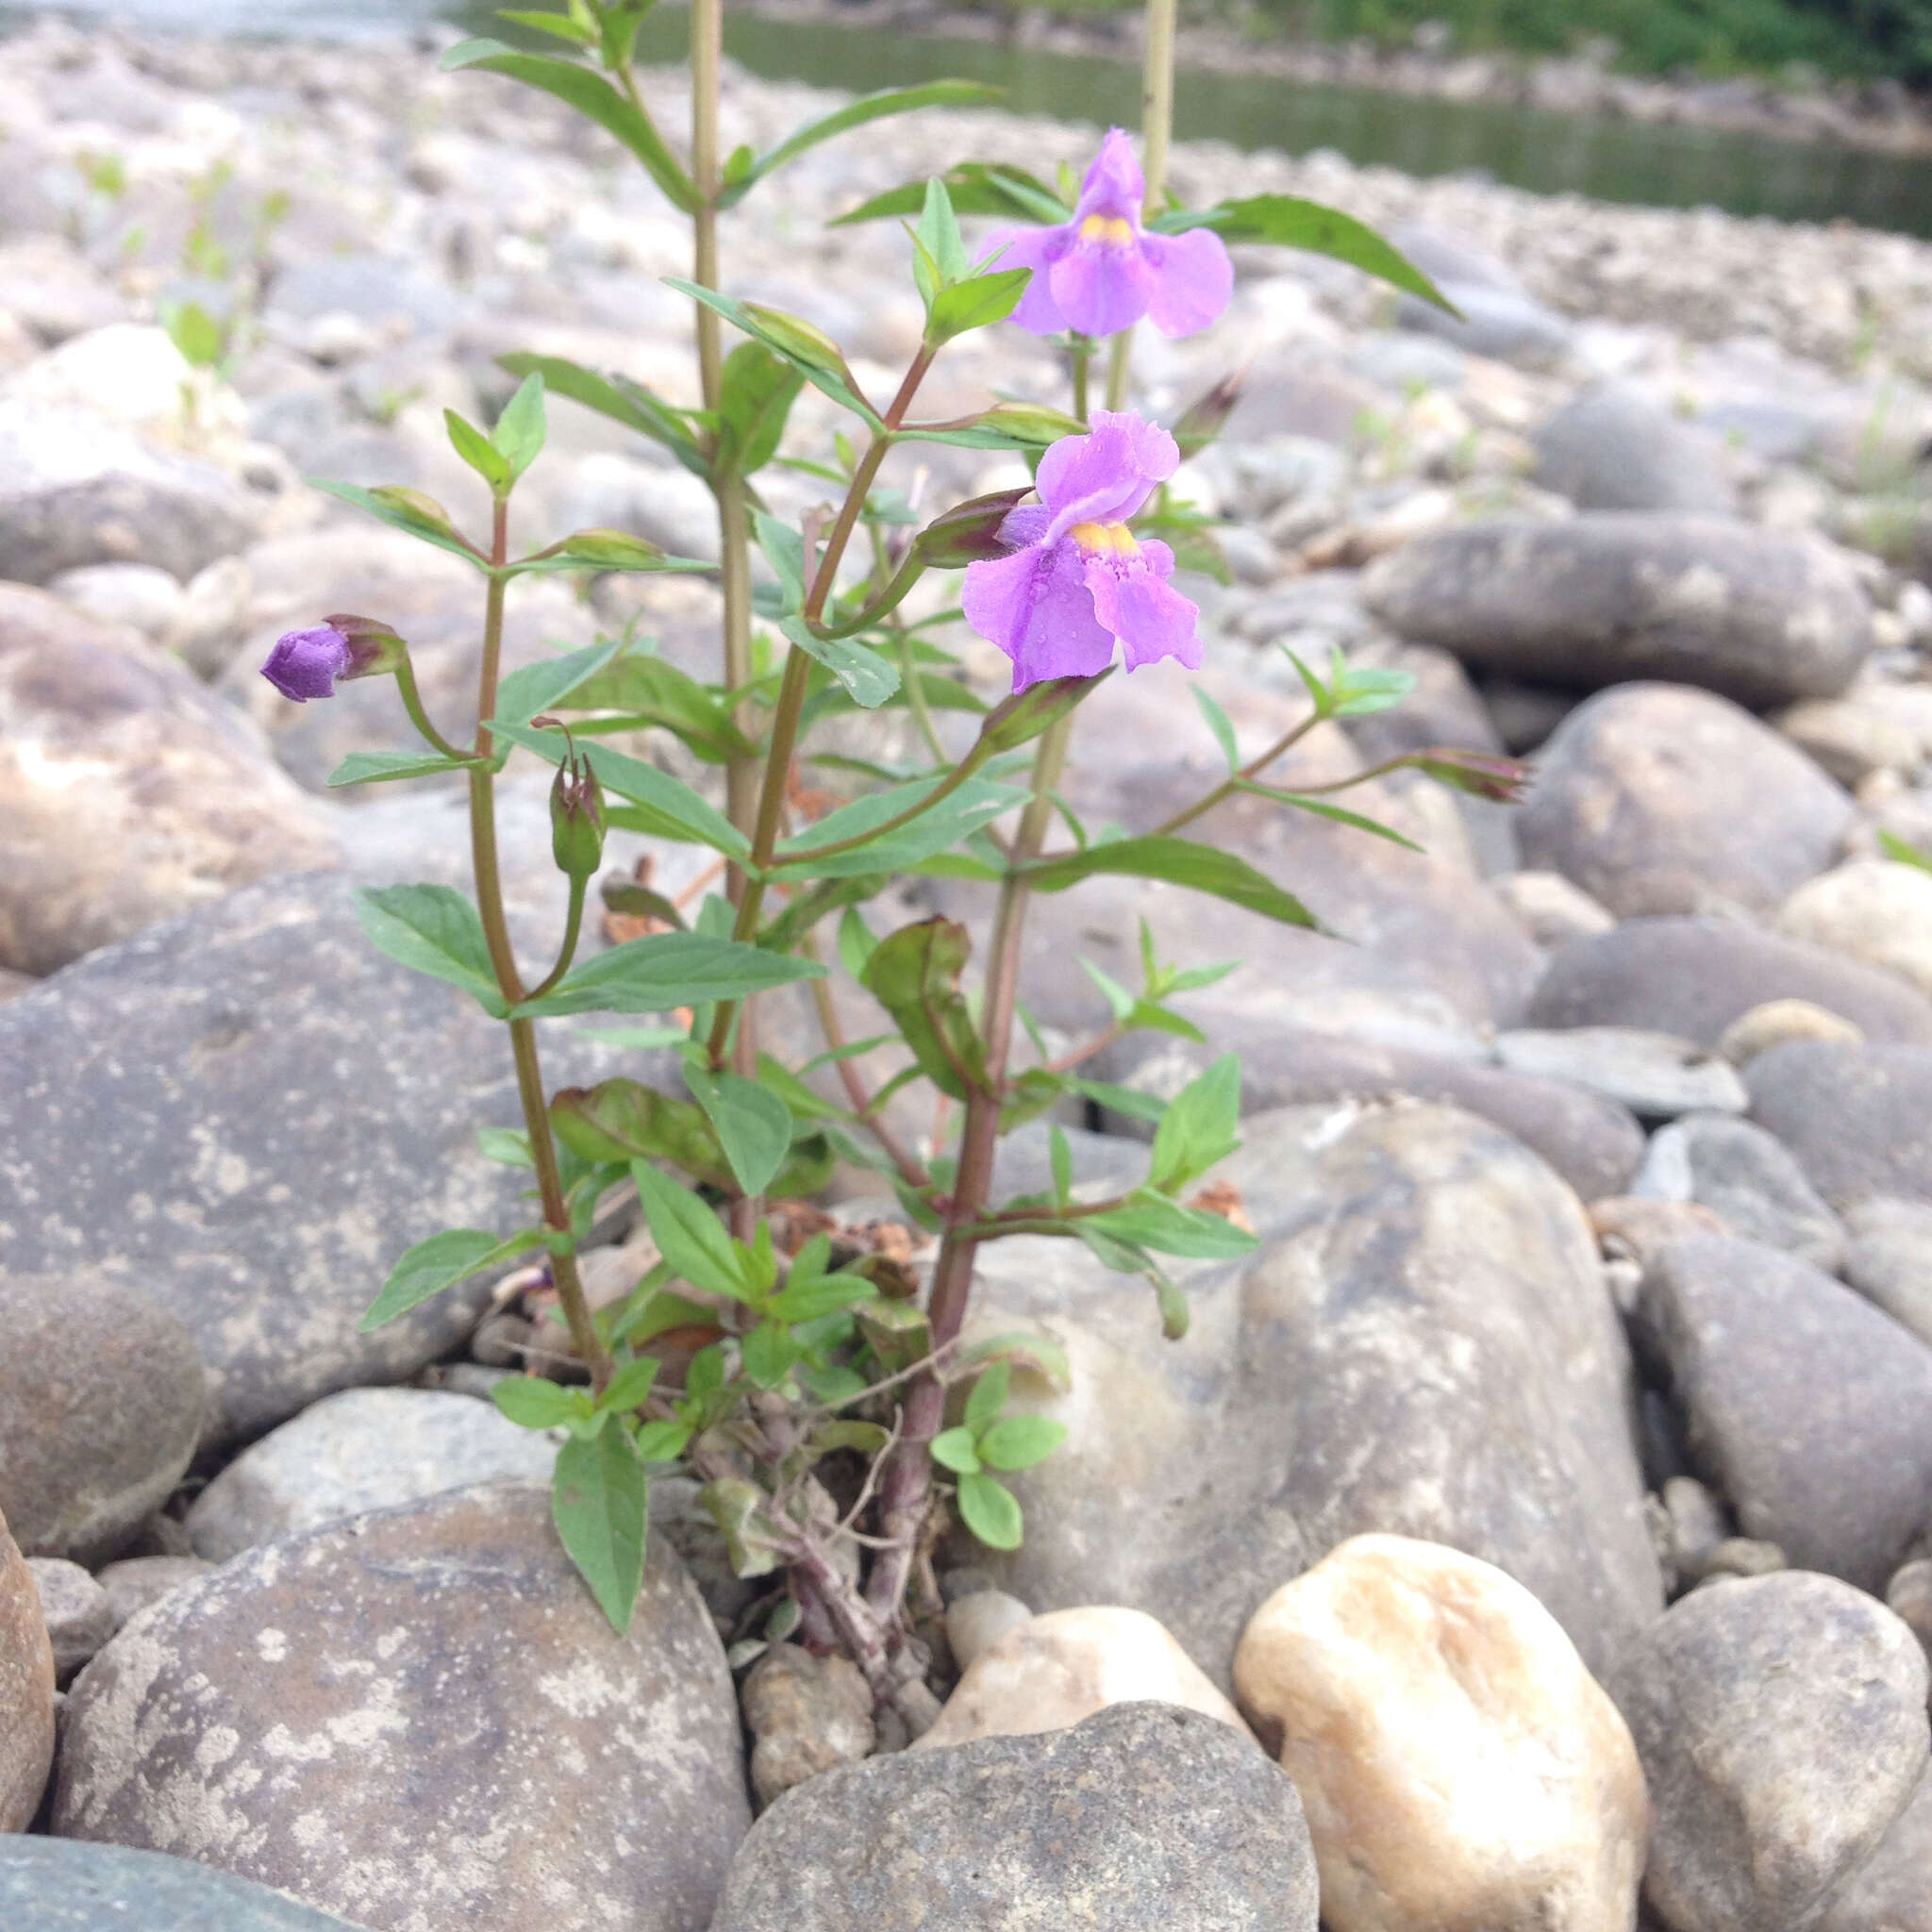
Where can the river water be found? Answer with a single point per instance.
(1614, 161)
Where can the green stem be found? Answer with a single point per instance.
(1082, 358)
(1252, 769)
(1120, 359)
(1157, 132)
(412, 704)
(574, 922)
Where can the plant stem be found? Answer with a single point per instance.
(1081, 358)
(909, 1170)
(419, 717)
(522, 1033)
(1252, 769)
(707, 55)
(1156, 130)
(574, 922)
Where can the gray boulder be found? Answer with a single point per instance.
(1694, 976)
(1807, 1408)
(102, 1401)
(1858, 1118)
(420, 1716)
(1612, 447)
(250, 1114)
(1499, 317)
(1656, 1075)
(1890, 1891)
(1423, 1345)
(1607, 596)
(1890, 1259)
(1749, 1179)
(78, 1615)
(26, 1692)
(1657, 798)
(1143, 1818)
(1781, 1722)
(57, 1885)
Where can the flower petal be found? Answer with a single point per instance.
(306, 663)
(1155, 453)
(1193, 281)
(1151, 618)
(1100, 288)
(1090, 480)
(1025, 527)
(1114, 186)
(1036, 249)
(1036, 607)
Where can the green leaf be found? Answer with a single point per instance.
(433, 929)
(755, 394)
(667, 808)
(407, 510)
(1181, 863)
(964, 809)
(976, 304)
(990, 1511)
(533, 1403)
(1321, 808)
(561, 24)
(520, 431)
(600, 1500)
(593, 98)
(507, 1146)
(872, 107)
(1220, 723)
(1127, 1100)
(857, 943)
(662, 1441)
(478, 451)
(195, 333)
(1062, 1153)
(650, 690)
(754, 1125)
(770, 1354)
(541, 687)
(954, 1449)
(665, 971)
(989, 1395)
(915, 975)
(1149, 1222)
(1903, 851)
(631, 1384)
(620, 1119)
(619, 398)
(939, 235)
(1288, 222)
(378, 767)
(974, 188)
(817, 1295)
(605, 550)
(738, 1509)
(441, 1262)
(1199, 1127)
(810, 350)
(1019, 1441)
(1040, 1354)
(870, 678)
(689, 1234)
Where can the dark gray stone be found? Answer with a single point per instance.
(1593, 1142)
(1781, 1722)
(250, 1114)
(1807, 1408)
(1612, 447)
(1694, 976)
(421, 1717)
(57, 1885)
(1892, 1892)
(1858, 1118)
(1750, 1180)
(1659, 798)
(1606, 596)
(1144, 1818)
(1425, 1345)
(102, 1401)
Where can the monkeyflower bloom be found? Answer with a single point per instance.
(306, 663)
(1076, 580)
(1102, 272)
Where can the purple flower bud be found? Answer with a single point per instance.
(306, 663)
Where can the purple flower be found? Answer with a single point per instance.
(1102, 272)
(1076, 580)
(306, 663)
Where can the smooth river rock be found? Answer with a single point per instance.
(1424, 1344)
(102, 1401)
(1655, 1075)
(26, 1691)
(1608, 596)
(1458, 1765)
(1875, 909)
(63, 1884)
(1659, 798)
(1612, 447)
(1145, 1818)
(1858, 1118)
(1749, 1179)
(418, 1718)
(1892, 1892)
(1781, 1722)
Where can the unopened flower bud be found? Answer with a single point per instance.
(1205, 417)
(969, 531)
(1482, 774)
(307, 663)
(576, 818)
(1030, 422)
(375, 649)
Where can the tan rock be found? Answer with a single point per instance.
(1850, 738)
(1777, 1022)
(974, 1623)
(1551, 909)
(1639, 1224)
(1050, 1672)
(1876, 910)
(27, 1691)
(1458, 1765)
(805, 1714)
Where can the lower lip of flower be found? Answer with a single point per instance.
(1109, 231)
(1105, 540)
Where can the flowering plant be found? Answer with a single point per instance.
(768, 1336)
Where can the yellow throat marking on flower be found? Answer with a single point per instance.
(1109, 231)
(1105, 540)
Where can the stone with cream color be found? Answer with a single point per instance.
(1050, 1672)
(1458, 1765)
(1876, 910)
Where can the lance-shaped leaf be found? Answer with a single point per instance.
(977, 187)
(624, 1120)
(433, 929)
(1198, 1128)
(593, 98)
(914, 974)
(520, 430)
(873, 106)
(807, 347)
(605, 550)
(600, 1502)
(408, 511)
(869, 680)
(375, 767)
(441, 1262)
(664, 972)
(543, 686)
(1148, 1221)
(646, 690)
(690, 1236)
(970, 804)
(976, 303)
(1180, 862)
(755, 393)
(617, 397)
(752, 1124)
(1288, 222)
